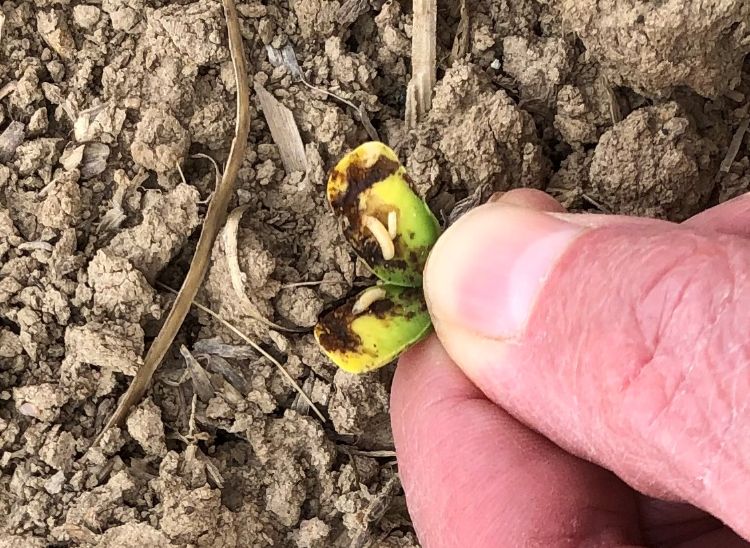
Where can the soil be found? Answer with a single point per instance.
(623, 106)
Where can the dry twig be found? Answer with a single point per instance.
(351, 10)
(258, 349)
(615, 111)
(201, 381)
(598, 205)
(734, 146)
(424, 60)
(350, 450)
(375, 510)
(213, 222)
(473, 200)
(10, 140)
(462, 41)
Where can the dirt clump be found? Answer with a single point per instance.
(640, 165)
(653, 47)
(161, 143)
(145, 426)
(476, 136)
(301, 306)
(168, 220)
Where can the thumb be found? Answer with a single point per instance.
(624, 343)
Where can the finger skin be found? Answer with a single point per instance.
(473, 476)
(731, 217)
(529, 198)
(671, 522)
(635, 356)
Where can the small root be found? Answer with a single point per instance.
(217, 170)
(182, 174)
(596, 204)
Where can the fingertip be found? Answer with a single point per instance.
(485, 272)
(730, 217)
(427, 353)
(529, 198)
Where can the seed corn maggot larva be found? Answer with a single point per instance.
(381, 235)
(392, 224)
(367, 299)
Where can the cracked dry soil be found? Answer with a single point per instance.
(628, 105)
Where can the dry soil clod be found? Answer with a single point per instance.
(215, 217)
(235, 273)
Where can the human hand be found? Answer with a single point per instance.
(591, 386)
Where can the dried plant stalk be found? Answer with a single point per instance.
(215, 217)
(10, 140)
(734, 146)
(351, 10)
(235, 273)
(423, 61)
(201, 381)
(260, 351)
(462, 41)
(284, 131)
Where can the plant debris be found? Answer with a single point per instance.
(424, 61)
(284, 131)
(211, 226)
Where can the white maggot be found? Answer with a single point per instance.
(381, 235)
(392, 224)
(367, 298)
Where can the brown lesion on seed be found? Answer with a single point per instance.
(348, 187)
(382, 308)
(357, 179)
(359, 176)
(335, 331)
